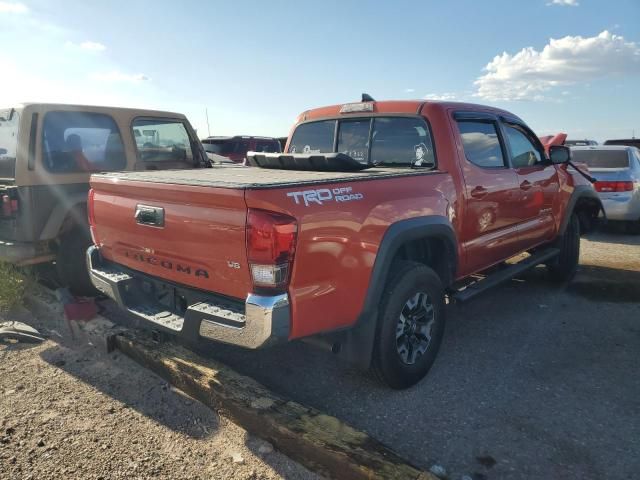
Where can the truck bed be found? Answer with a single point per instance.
(253, 178)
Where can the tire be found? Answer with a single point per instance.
(406, 344)
(564, 268)
(71, 262)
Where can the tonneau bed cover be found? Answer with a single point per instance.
(230, 176)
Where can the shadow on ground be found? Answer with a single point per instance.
(118, 377)
(528, 376)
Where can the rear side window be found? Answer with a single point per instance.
(601, 158)
(81, 142)
(160, 140)
(9, 121)
(314, 137)
(267, 146)
(401, 142)
(481, 144)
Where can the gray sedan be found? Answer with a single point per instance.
(617, 169)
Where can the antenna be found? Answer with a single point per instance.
(206, 112)
(367, 98)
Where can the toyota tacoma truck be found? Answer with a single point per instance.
(356, 237)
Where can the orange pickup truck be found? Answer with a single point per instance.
(355, 237)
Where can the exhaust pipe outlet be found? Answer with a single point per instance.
(324, 344)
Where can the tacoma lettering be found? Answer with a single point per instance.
(167, 264)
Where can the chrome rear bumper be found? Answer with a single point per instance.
(260, 321)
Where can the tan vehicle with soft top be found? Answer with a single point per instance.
(47, 154)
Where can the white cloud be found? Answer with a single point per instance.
(87, 46)
(13, 7)
(564, 3)
(117, 76)
(446, 96)
(530, 73)
(409, 90)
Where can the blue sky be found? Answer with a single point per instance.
(256, 65)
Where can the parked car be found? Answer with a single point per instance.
(582, 143)
(353, 241)
(617, 169)
(236, 148)
(48, 152)
(630, 142)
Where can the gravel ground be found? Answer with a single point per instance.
(69, 410)
(533, 380)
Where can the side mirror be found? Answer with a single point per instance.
(559, 154)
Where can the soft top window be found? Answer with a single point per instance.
(385, 141)
(81, 142)
(602, 158)
(162, 140)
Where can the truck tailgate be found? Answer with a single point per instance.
(196, 238)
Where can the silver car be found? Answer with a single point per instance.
(617, 169)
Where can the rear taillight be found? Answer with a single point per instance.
(614, 186)
(9, 205)
(271, 241)
(91, 216)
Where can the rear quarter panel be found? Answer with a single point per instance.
(338, 242)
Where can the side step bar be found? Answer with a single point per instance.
(503, 275)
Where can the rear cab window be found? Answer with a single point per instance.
(601, 158)
(81, 142)
(313, 137)
(382, 141)
(162, 140)
(9, 122)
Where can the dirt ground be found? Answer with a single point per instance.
(69, 410)
(534, 380)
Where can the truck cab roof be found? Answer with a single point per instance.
(413, 107)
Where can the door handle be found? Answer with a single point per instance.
(526, 185)
(152, 216)
(479, 192)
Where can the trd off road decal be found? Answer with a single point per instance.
(322, 195)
